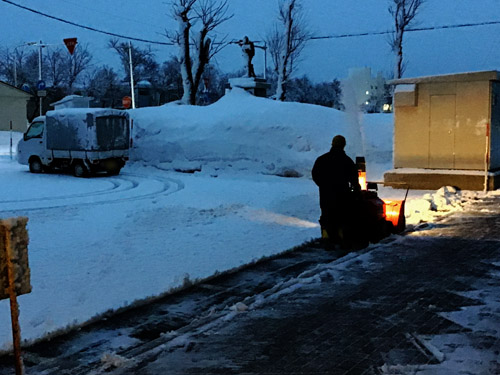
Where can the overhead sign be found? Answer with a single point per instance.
(70, 44)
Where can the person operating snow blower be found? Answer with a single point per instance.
(337, 178)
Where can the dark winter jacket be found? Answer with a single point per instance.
(337, 178)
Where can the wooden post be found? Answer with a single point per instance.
(10, 149)
(14, 309)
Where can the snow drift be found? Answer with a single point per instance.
(246, 133)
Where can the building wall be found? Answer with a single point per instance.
(495, 126)
(13, 108)
(445, 129)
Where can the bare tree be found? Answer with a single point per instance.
(286, 41)
(170, 80)
(19, 67)
(196, 48)
(404, 13)
(144, 65)
(55, 66)
(75, 64)
(104, 86)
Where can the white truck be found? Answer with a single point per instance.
(84, 140)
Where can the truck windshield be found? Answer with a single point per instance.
(35, 130)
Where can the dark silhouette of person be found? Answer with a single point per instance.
(248, 49)
(337, 178)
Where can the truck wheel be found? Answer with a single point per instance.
(114, 172)
(79, 170)
(35, 165)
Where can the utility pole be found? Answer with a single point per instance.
(40, 70)
(15, 71)
(131, 73)
(40, 45)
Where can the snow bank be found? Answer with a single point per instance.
(246, 133)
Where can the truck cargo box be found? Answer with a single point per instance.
(87, 129)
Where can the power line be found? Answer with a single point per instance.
(86, 27)
(338, 36)
(429, 28)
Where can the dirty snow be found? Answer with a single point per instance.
(99, 244)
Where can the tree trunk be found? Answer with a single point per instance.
(185, 62)
(283, 74)
(398, 49)
(281, 86)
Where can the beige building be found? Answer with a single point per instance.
(13, 103)
(447, 131)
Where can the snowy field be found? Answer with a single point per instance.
(205, 193)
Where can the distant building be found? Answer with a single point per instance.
(146, 95)
(13, 107)
(368, 92)
(72, 101)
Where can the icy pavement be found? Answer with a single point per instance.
(424, 303)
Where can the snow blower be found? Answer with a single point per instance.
(372, 218)
(382, 216)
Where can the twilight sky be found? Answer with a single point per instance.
(427, 52)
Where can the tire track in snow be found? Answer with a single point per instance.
(116, 185)
(126, 187)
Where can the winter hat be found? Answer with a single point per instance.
(338, 142)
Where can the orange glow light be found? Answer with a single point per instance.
(392, 210)
(362, 180)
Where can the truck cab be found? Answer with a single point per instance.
(31, 149)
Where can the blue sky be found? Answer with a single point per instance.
(427, 52)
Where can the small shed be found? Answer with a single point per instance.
(72, 101)
(447, 131)
(13, 107)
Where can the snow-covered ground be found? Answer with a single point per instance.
(102, 243)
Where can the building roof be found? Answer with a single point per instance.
(487, 75)
(5, 84)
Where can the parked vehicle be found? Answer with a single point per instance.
(83, 140)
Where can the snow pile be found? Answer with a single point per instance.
(112, 361)
(241, 132)
(431, 205)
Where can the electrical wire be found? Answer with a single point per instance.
(429, 28)
(87, 27)
(338, 36)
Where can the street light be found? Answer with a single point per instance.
(40, 45)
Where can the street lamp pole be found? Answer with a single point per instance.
(15, 71)
(131, 73)
(40, 71)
